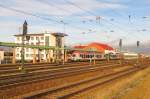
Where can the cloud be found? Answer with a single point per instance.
(47, 7)
(55, 9)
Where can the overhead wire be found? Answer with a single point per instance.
(91, 13)
(37, 16)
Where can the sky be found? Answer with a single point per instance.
(84, 21)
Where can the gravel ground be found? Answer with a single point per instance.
(27, 88)
(140, 90)
(118, 89)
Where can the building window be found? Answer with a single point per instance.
(41, 43)
(18, 38)
(38, 43)
(17, 55)
(27, 55)
(27, 49)
(42, 55)
(32, 43)
(58, 41)
(32, 38)
(31, 55)
(17, 49)
(47, 40)
(37, 38)
(42, 38)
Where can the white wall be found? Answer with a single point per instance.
(52, 42)
(1, 56)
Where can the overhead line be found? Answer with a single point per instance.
(35, 15)
(91, 13)
(27, 13)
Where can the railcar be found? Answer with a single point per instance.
(86, 56)
(129, 56)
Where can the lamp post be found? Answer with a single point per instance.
(64, 24)
(23, 39)
(39, 51)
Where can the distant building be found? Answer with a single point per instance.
(43, 39)
(6, 56)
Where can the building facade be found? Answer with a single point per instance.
(41, 39)
(6, 56)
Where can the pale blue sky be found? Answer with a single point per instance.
(80, 19)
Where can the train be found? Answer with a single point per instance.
(85, 56)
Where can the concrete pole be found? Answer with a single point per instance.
(34, 56)
(14, 56)
(49, 56)
(94, 59)
(40, 57)
(108, 58)
(66, 58)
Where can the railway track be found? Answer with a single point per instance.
(14, 67)
(71, 89)
(47, 69)
(29, 68)
(19, 79)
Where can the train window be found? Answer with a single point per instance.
(87, 56)
(81, 55)
(84, 56)
(90, 56)
(97, 56)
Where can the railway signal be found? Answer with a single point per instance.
(120, 44)
(138, 43)
(129, 18)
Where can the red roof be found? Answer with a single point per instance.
(80, 46)
(104, 46)
(99, 46)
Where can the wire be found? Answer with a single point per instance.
(91, 13)
(38, 16)
(27, 13)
